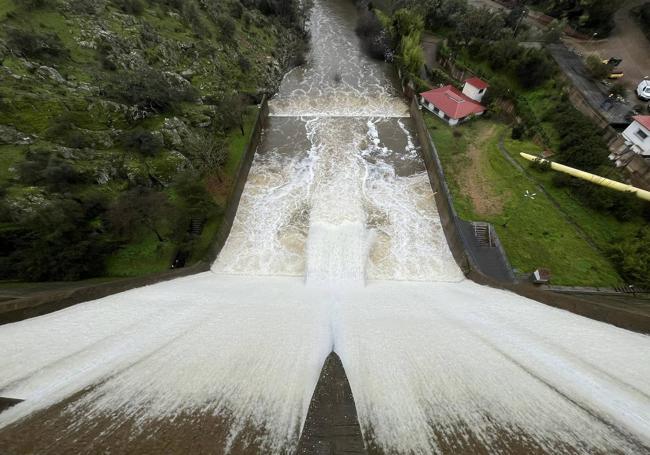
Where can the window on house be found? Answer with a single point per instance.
(446, 117)
(481, 91)
(436, 110)
(642, 135)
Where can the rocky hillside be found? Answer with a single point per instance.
(119, 122)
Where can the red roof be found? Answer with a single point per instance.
(643, 120)
(452, 102)
(478, 83)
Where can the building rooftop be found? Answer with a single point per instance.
(644, 120)
(476, 82)
(452, 102)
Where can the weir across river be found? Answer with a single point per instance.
(337, 246)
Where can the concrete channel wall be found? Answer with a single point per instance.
(479, 272)
(49, 301)
(469, 255)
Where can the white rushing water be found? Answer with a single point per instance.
(337, 245)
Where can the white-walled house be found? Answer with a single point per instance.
(454, 106)
(475, 88)
(637, 135)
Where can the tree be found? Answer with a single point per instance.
(231, 109)
(411, 53)
(596, 67)
(554, 31)
(406, 22)
(632, 258)
(60, 240)
(141, 207)
(195, 198)
(150, 89)
(207, 152)
(533, 68)
(479, 24)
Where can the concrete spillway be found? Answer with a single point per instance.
(337, 247)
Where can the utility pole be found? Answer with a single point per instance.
(524, 13)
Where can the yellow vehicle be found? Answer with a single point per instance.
(613, 63)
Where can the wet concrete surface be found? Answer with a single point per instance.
(332, 426)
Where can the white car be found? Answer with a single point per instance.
(643, 90)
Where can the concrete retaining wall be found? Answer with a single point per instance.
(49, 301)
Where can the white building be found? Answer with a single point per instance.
(455, 107)
(637, 135)
(475, 88)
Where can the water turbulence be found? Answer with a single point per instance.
(336, 246)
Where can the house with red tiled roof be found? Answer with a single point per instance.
(637, 135)
(454, 106)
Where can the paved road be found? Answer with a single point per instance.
(594, 93)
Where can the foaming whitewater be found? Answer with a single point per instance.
(337, 245)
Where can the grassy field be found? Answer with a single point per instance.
(534, 232)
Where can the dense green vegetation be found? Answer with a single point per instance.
(589, 16)
(123, 120)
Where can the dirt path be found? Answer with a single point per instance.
(473, 182)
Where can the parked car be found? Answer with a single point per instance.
(643, 90)
(613, 62)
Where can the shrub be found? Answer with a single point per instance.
(60, 240)
(618, 89)
(142, 142)
(596, 67)
(632, 258)
(244, 64)
(227, 27)
(533, 68)
(135, 7)
(236, 9)
(36, 45)
(35, 4)
(43, 168)
(518, 131)
(149, 89)
(581, 142)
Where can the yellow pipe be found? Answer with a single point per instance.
(598, 180)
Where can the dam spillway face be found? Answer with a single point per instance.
(334, 311)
